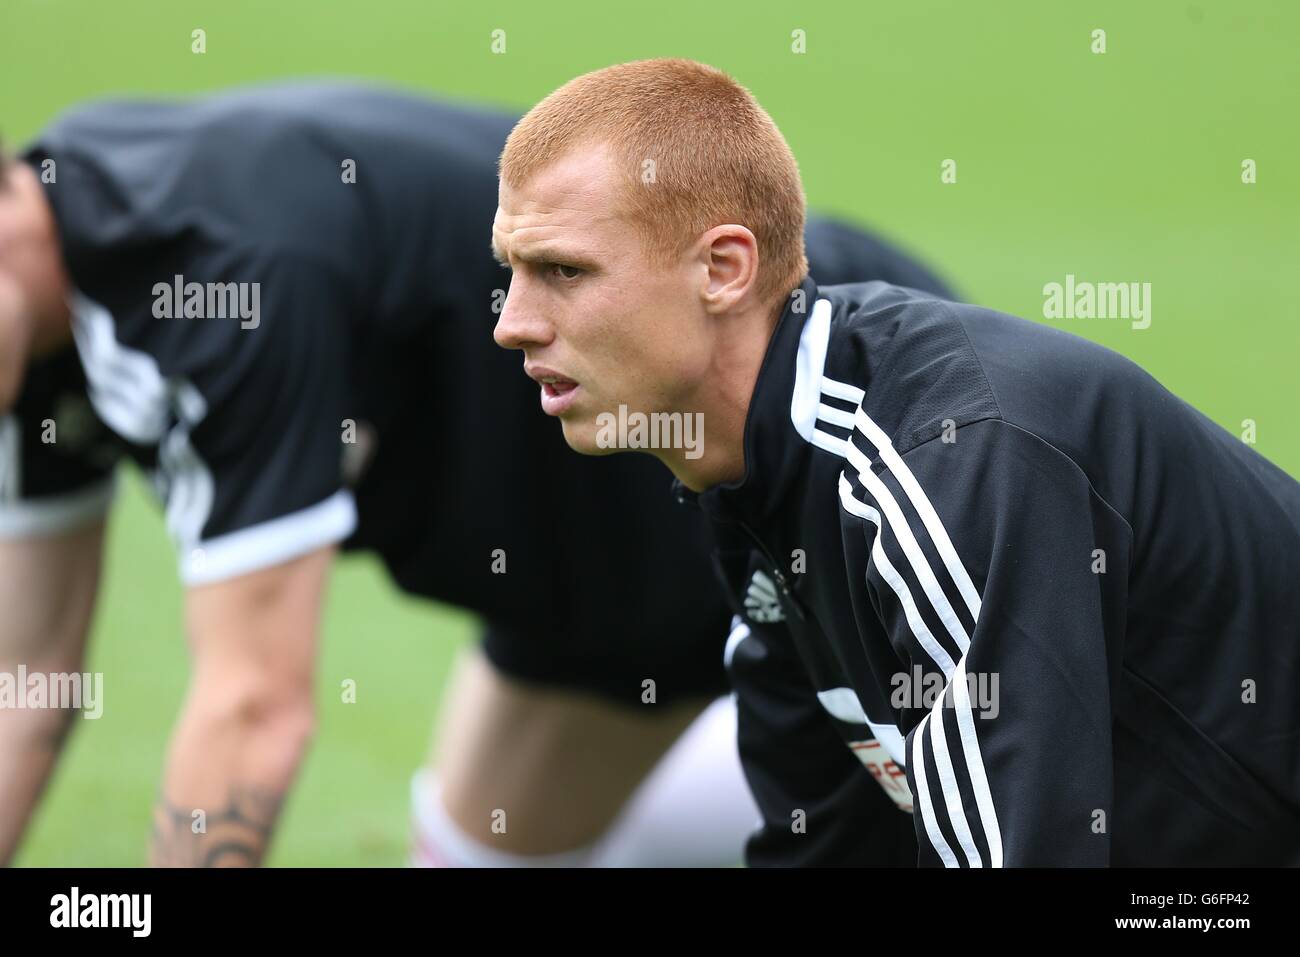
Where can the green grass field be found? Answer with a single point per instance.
(1122, 166)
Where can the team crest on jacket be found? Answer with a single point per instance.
(761, 603)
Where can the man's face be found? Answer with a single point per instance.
(599, 324)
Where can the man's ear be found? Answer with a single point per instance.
(730, 256)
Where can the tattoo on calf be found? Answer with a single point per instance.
(233, 836)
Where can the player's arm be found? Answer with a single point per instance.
(54, 495)
(255, 499)
(48, 585)
(819, 805)
(994, 566)
(249, 714)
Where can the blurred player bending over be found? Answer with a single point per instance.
(347, 230)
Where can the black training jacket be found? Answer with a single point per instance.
(1050, 608)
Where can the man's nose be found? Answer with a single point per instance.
(520, 326)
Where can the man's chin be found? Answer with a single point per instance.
(581, 436)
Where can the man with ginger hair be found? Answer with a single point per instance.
(1017, 588)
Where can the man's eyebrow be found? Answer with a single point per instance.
(553, 252)
(497, 254)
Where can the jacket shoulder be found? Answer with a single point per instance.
(904, 358)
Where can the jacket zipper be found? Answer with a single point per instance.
(778, 576)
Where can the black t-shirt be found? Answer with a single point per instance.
(244, 266)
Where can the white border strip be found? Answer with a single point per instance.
(808, 367)
(937, 652)
(739, 632)
(921, 502)
(271, 543)
(56, 514)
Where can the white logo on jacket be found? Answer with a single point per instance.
(761, 602)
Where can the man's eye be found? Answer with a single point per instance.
(562, 271)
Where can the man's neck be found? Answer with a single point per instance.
(723, 404)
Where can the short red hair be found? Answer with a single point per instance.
(698, 152)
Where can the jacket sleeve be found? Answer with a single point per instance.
(819, 805)
(1000, 576)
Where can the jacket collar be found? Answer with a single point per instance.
(774, 451)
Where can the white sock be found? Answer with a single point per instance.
(694, 809)
(438, 841)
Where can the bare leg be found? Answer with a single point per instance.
(531, 771)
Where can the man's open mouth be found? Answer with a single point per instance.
(558, 386)
(558, 393)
